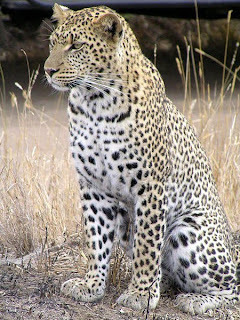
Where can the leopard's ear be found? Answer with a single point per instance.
(109, 25)
(60, 13)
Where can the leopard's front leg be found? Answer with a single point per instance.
(144, 289)
(99, 223)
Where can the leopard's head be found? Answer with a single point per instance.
(87, 44)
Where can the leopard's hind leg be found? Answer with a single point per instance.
(199, 261)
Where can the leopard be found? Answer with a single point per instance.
(145, 179)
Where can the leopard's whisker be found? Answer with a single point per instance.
(83, 83)
(44, 37)
(100, 90)
(49, 27)
(105, 86)
(49, 31)
(107, 82)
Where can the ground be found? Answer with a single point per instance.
(27, 292)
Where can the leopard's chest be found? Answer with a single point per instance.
(101, 156)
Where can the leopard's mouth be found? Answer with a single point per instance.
(60, 86)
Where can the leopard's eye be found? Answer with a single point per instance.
(77, 46)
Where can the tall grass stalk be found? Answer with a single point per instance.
(201, 64)
(225, 55)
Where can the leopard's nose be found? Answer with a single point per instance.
(51, 71)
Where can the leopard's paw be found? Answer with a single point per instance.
(197, 304)
(138, 301)
(82, 290)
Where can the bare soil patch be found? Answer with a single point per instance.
(27, 292)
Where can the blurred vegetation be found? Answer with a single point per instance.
(165, 35)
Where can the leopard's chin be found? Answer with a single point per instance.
(60, 88)
(56, 85)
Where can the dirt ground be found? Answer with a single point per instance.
(30, 289)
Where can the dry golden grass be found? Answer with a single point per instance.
(39, 202)
(218, 129)
(216, 116)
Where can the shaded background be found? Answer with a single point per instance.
(158, 38)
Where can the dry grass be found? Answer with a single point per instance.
(216, 116)
(39, 201)
(218, 128)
